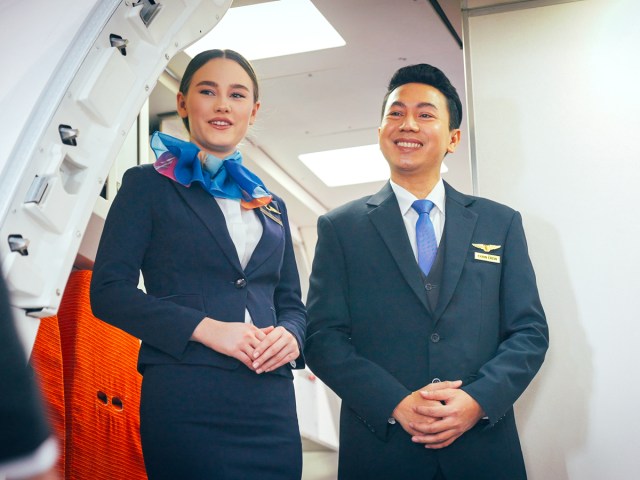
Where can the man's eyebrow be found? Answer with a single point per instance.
(427, 105)
(210, 83)
(398, 103)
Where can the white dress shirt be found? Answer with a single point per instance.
(410, 216)
(245, 230)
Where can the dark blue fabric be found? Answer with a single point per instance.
(374, 339)
(178, 238)
(206, 423)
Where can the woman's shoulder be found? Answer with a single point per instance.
(143, 176)
(146, 170)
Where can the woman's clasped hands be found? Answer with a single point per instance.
(259, 349)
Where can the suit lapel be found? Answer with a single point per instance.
(387, 220)
(272, 235)
(206, 208)
(459, 225)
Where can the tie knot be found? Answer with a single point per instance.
(422, 206)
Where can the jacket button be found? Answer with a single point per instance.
(240, 283)
(428, 287)
(435, 338)
(436, 380)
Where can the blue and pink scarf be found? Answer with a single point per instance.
(185, 163)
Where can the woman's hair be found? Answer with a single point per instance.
(203, 57)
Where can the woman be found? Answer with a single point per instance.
(222, 321)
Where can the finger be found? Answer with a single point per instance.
(282, 351)
(278, 347)
(436, 410)
(279, 360)
(440, 438)
(440, 395)
(268, 341)
(432, 387)
(431, 428)
(445, 443)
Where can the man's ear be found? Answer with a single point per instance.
(454, 140)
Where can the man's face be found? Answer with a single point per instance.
(414, 135)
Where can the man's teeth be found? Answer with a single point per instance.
(409, 144)
(220, 122)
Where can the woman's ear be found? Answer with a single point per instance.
(181, 104)
(254, 111)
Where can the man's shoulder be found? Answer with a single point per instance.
(350, 210)
(480, 205)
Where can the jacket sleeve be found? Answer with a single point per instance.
(365, 387)
(290, 311)
(115, 296)
(523, 330)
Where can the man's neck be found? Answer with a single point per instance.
(420, 186)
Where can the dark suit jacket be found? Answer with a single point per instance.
(177, 237)
(373, 338)
(23, 426)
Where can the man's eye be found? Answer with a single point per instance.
(395, 114)
(238, 95)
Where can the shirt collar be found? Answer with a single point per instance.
(406, 198)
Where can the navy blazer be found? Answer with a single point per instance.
(178, 238)
(373, 337)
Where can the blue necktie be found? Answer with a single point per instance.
(425, 235)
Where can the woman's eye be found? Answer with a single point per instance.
(238, 95)
(426, 115)
(207, 92)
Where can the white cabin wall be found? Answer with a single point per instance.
(556, 116)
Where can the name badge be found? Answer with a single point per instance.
(485, 257)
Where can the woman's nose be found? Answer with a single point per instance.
(222, 106)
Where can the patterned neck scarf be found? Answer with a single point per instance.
(185, 163)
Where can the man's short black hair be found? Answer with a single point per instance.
(428, 75)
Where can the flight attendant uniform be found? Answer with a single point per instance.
(204, 415)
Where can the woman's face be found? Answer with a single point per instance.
(219, 105)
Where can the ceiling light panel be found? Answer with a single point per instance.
(348, 166)
(271, 29)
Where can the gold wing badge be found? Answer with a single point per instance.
(485, 257)
(271, 212)
(486, 248)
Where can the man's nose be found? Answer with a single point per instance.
(410, 124)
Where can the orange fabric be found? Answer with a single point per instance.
(46, 359)
(101, 389)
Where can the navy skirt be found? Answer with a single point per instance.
(201, 422)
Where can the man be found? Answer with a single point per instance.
(27, 449)
(400, 300)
